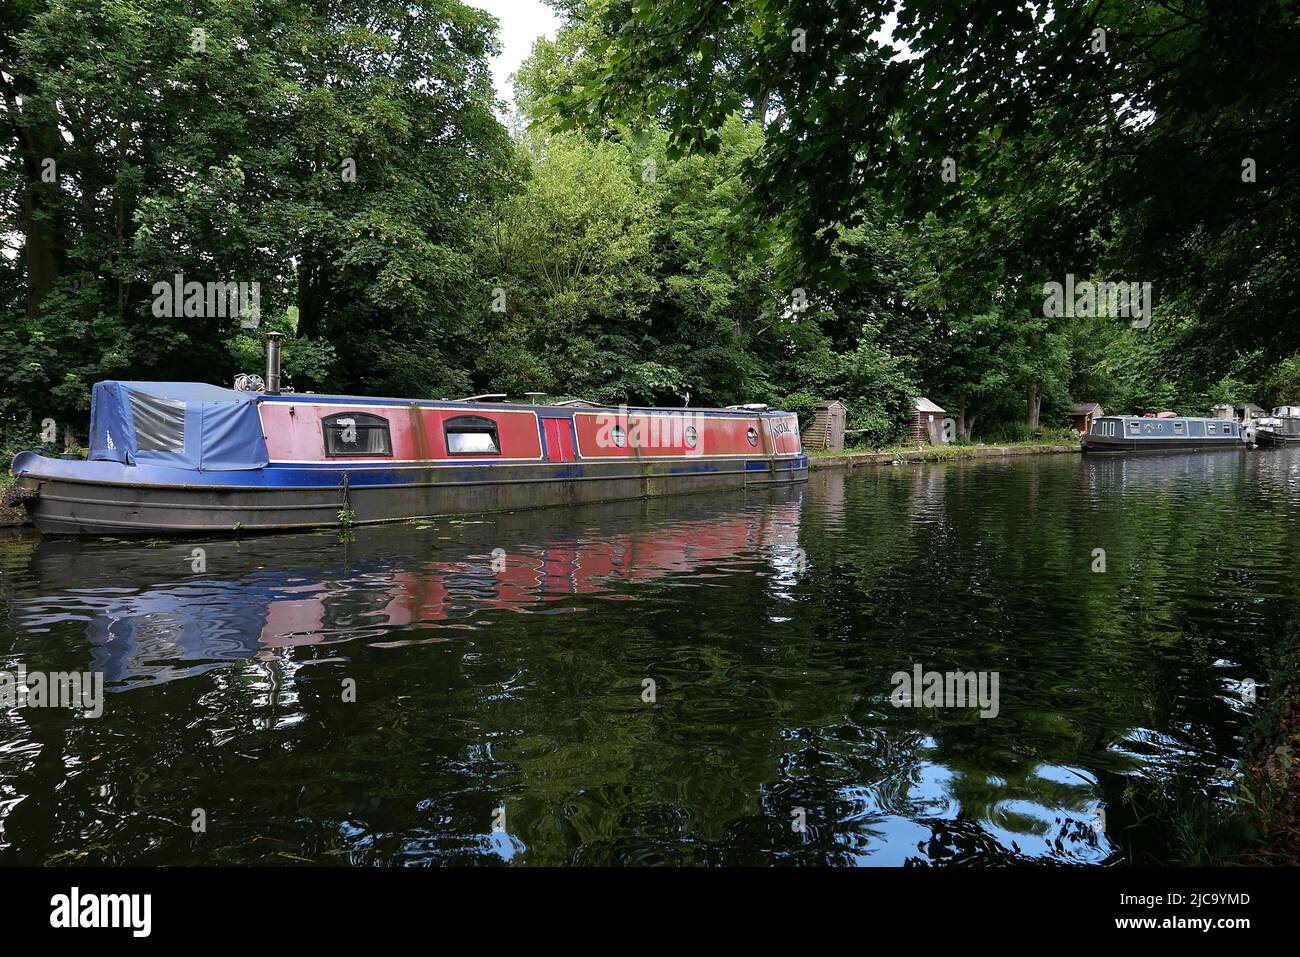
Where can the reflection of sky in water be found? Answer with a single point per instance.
(770, 626)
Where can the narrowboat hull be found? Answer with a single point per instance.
(1268, 439)
(67, 497)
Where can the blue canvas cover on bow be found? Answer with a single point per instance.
(178, 424)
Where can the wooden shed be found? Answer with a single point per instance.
(1082, 415)
(1245, 411)
(826, 431)
(927, 422)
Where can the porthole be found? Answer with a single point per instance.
(752, 435)
(692, 437)
(619, 437)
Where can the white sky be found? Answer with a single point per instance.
(522, 22)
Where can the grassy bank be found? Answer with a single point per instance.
(10, 516)
(937, 453)
(1249, 816)
(1269, 780)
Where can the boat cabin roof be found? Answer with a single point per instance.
(206, 428)
(314, 398)
(1155, 427)
(1168, 418)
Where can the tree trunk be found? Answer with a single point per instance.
(1033, 403)
(310, 270)
(309, 296)
(760, 108)
(42, 253)
(964, 424)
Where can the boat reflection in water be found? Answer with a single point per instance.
(228, 600)
(502, 661)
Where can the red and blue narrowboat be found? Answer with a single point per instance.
(180, 458)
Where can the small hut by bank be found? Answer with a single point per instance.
(1082, 415)
(927, 422)
(825, 433)
(1245, 411)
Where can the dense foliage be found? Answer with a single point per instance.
(1019, 142)
(337, 157)
(762, 200)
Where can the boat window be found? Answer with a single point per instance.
(471, 435)
(1178, 428)
(356, 433)
(1211, 428)
(692, 437)
(752, 435)
(1134, 427)
(619, 437)
(159, 423)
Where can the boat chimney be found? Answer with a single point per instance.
(273, 362)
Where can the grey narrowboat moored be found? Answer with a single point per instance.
(1132, 433)
(1281, 427)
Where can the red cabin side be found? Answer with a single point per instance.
(300, 432)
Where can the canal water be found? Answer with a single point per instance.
(708, 680)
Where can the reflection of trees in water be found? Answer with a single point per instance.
(993, 573)
(274, 597)
(523, 686)
(965, 841)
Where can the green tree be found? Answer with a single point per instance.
(567, 265)
(219, 142)
(1148, 138)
